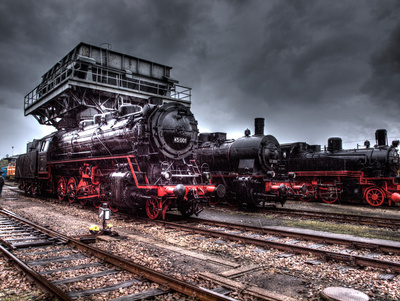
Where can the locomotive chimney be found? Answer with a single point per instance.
(258, 126)
(334, 144)
(381, 137)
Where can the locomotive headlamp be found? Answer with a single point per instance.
(291, 175)
(206, 176)
(167, 175)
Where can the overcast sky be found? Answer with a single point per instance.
(312, 69)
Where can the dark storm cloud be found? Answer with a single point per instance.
(305, 66)
(313, 69)
(384, 83)
(301, 58)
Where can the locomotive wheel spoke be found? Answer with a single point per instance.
(71, 189)
(328, 192)
(61, 189)
(152, 206)
(374, 196)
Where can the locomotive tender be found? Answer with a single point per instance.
(247, 167)
(136, 157)
(369, 174)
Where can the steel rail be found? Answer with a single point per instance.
(154, 276)
(342, 217)
(388, 222)
(352, 259)
(306, 236)
(41, 281)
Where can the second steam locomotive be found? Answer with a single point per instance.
(369, 174)
(136, 157)
(256, 168)
(247, 167)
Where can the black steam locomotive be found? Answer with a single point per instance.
(257, 168)
(369, 174)
(247, 167)
(136, 157)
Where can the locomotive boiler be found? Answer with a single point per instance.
(136, 157)
(332, 174)
(246, 166)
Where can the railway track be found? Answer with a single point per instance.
(43, 253)
(385, 256)
(392, 223)
(225, 280)
(369, 220)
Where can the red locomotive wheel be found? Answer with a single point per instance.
(233, 202)
(152, 207)
(97, 202)
(214, 201)
(328, 193)
(374, 196)
(61, 189)
(113, 208)
(71, 189)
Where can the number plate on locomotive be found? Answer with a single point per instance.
(180, 140)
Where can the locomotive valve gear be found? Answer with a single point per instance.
(304, 188)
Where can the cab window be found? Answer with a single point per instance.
(44, 145)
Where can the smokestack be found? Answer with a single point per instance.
(258, 126)
(381, 137)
